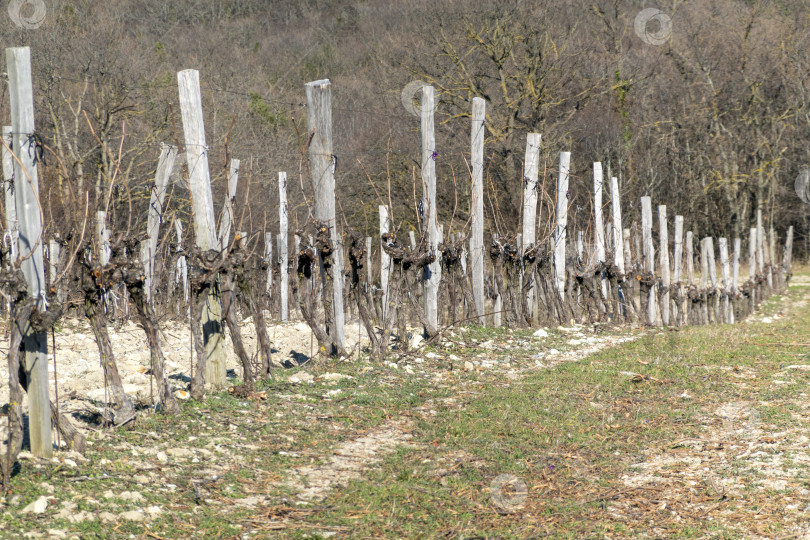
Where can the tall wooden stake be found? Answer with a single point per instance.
(600, 224)
(227, 216)
(385, 264)
(530, 177)
(204, 221)
(165, 166)
(282, 244)
(432, 276)
(322, 168)
(560, 231)
(663, 242)
(30, 241)
(649, 255)
(477, 203)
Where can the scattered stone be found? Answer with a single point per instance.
(133, 496)
(162, 457)
(803, 367)
(182, 394)
(37, 507)
(335, 377)
(56, 533)
(107, 517)
(141, 479)
(154, 511)
(415, 341)
(179, 452)
(553, 351)
(302, 377)
(70, 463)
(393, 365)
(432, 355)
(541, 333)
(132, 515)
(468, 366)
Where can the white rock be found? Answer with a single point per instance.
(302, 377)
(56, 533)
(154, 510)
(335, 377)
(408, 369)
(70, 463)
(37, 507)
(107, 517)
(182, 394)
(393, 365)
(468, 366)
(179, 452)
(131, 496)
(132, 515)
(541, 333)
(803, 367)
(162, 457)
(415, 341)
(553, 351)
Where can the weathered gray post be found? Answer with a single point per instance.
(649, 255)
(29, 244)
(477, 204)
(735, 272)
(322, 169)
(182, 264)
(663, 242)
(227, 216)
(788, 255)
(168, 153)
(385, 261)
(616, 208)
(678, 255)
(752, 264)
(432, 276)
(560, 231)
(725, 268)
(690, 272)
(283, 250)
(12, 228)
(530, 177)
(204, 221)
(713, 275)
(600, 224)
(760, 243)
(268, 257)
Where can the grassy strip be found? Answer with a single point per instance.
(571, 433)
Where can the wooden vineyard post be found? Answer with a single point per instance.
(760, 244)
(165, 166)
(182, 264)
(12, 228)
(704, 278)
(29, 244)
(385, 265)
(530, 178)
(227, 216)
(649, 256)
(752, 265)
(725, 268)
(689, 255)
(600, 224)
(770, 255)
(713, 276)
(477, 203)
(787, 256)
(322, 169)
(283, 250)
(268, 257)
(663, 242)
(618, 243)
(204, 222)
(735, 273)
(432, 276)
(680, 304)
(560, 231)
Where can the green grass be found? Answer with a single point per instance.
(570, 432)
